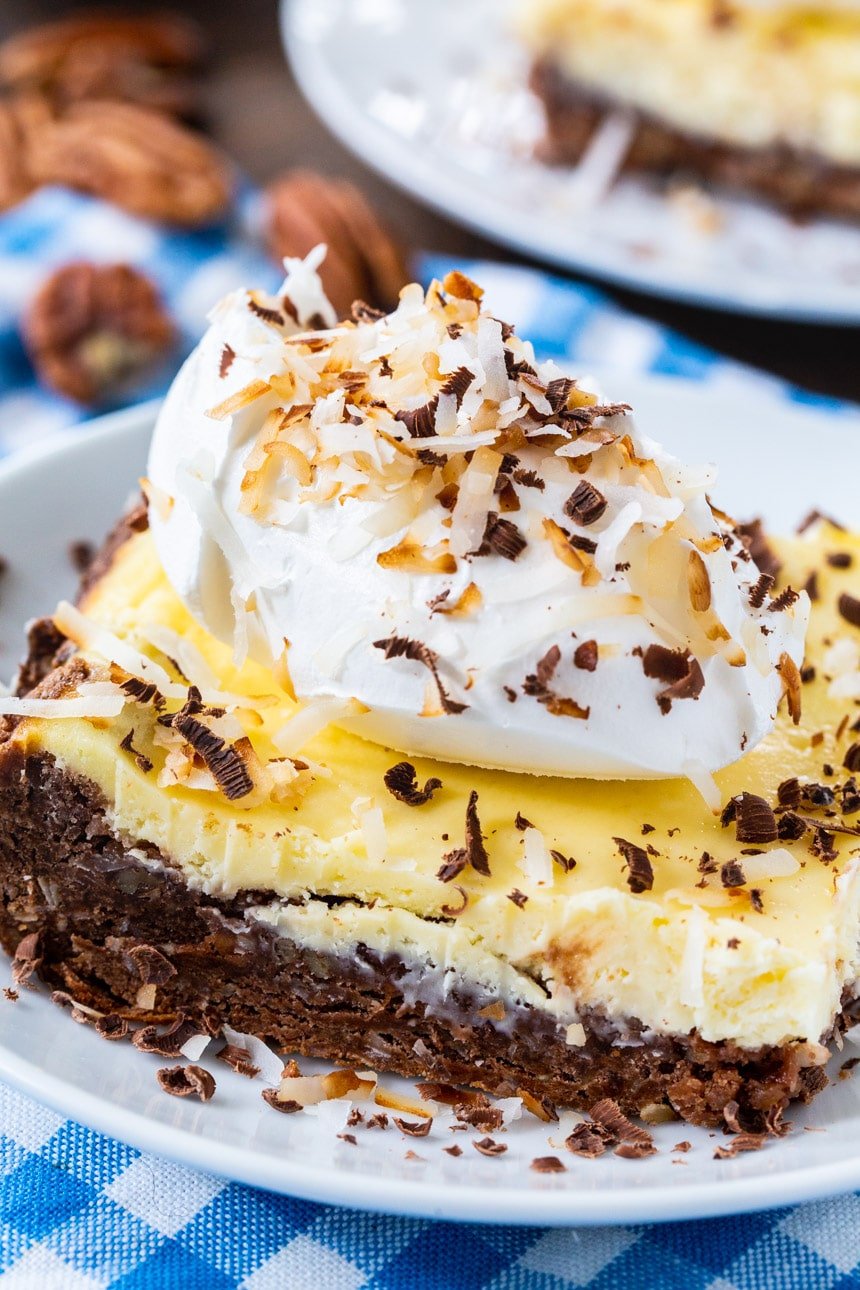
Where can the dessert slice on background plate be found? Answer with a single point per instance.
(431, 719)
(761, 98)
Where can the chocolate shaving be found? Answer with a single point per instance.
(378, 1121)
(517, 897)
(414, 1128)
(754, 820)
(453, 864)
(453, 1150)
(458, 383)
(635, 1150)
(501, 537)
(476, 852)
(788, 793)
(756, 900)
(286, 1107)
(420, 422)
(784, 600)
(363, 312)
(707, 864)
(239, 1060)
(223, 761)
(585, 656)
(521, 823)
(186, 1081)
(567, 863)
(839, 560)
(537, 686)
(167, 1044)
(273, 316)
(547, 1165)
(112, 1027)
(228, 354)
(528, 479)
(488, 1147)
(742, 1142)
(760, 590)
(27, 958)
(586, 504)
(849, 608)
(608, 1113)
(402, 782)
(143, 692)
(811, 586)
(677, 667)
(640, 873)
(418, 652)
(479, 1113)
(851, 760)
(451, 911)
(790, 827)
(142, 761)
(587, 1140)
(732, 874)
(558, 391)
(150, 964)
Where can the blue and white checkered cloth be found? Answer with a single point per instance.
(78, 1210)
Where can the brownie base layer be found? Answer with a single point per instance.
(64, 874)
(802, 182)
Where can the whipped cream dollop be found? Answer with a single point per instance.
(455, 550)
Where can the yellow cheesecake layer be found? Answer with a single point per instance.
(688, 954)
(747, 74)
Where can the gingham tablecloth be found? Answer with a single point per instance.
(78, 1210)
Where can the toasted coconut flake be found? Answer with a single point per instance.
(792, 685)
(398, 1102)
(778, 863)
(698, 583)
(240, 399)
(408, 557)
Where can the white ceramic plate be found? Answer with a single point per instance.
(74, 490)
(433, 94)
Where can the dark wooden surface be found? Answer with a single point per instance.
(259, 115)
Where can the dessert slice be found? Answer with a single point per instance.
(431, 724)
(762, 98)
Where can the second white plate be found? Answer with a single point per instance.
(433, 94)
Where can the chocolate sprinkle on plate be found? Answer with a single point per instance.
(488, 1147)
(414, 1128)
(186, 1081)
(402, 782)
(547, 1165)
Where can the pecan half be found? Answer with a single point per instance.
(20, 116)
(363, 261)
(137, 158)
(91, 330)
(142, 59)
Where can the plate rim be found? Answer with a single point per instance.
(440, 1200)
(389, 156)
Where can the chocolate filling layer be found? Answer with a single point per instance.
(94, 900)
(803, 182)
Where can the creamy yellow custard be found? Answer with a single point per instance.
(748, 74)
(758, 964)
